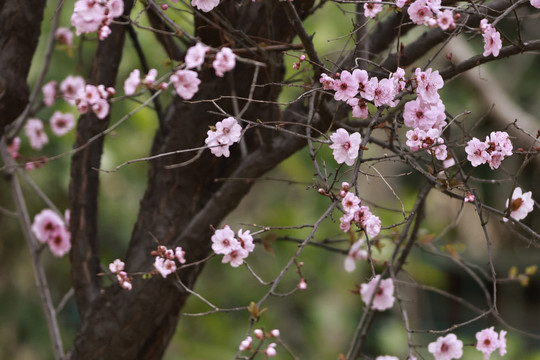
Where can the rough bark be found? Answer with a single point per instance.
(20, 28)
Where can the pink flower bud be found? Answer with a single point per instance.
(302, 57)
(164, 6)
(275, 333)
(259, 334)
(302, 285)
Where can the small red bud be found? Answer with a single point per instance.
(164, 6)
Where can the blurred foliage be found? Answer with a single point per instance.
(316, 323)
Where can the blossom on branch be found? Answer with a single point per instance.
(345, 146)
(521, 204)
(487, 341)
(205, 5)
(446, 348)
(225, 61)
(384, 293)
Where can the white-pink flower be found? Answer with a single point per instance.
(228, 132)
(223, 241)
(195, 55)
(180, 255)
(164, 266)
(346, 87)
(186, 83)
(64, 36)
(384, 294)
(246, 240)
(45, 223)
(477, 152)
(150, 78)
(327, 82)
(360, 109)
(61, 123)
(235, 256)
(345, 146)
(487, 341)
(355, 254)
(101, 108)
(49, 93)
(492, 39)
(35, 132)
(445, 20)
(116, 266)
(70, 87)
(131, 83)
(420, 12)
(245, 344)
(59, 241)
(521, 204)
(270, 351)
(14, 147)
(124, 280)
(429, 82)
(446, 348)
(535, 3)
(225, 61)
(371, 9)
(205, 5)
(350, 203)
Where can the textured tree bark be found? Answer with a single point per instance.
(20, 26)
(179, 204)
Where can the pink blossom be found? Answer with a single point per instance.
(302, 284)
(49, 93)
(372, 225)
(70, 87)
(428, 84)
(476, 152)
(195, 55)
(386, 357)
(259, 333)
(150, 78)
(116, 8)
(116, 266)
(101, 108)
(205, 5)
(487, 342)
(59, 241)
(327, 82)
(346, 87)
(469, 197)
(45, 223)
(362, 77)
(245, 344)
(164, 266)
(370, 86)
(359, 108)
(502, 342)
(225, 61)
(492, 38)
(180, 255)
(89, 94)
(445, 20)
(275, 333)
(64, 36)
(521, 204)
(401, 3)
(131, 83)
(384, 93)
(236, 256)
(35, 132)
(223, 241)
(345, 222)
(14, 147)
(398, 78)
(186, 83)
(350, 203)
(228, 131)
(270, 351)
(446, 348)
(420, 12)
(246, 240)
(213, 141)
(371, 9)
(415, 138)
(124, 280)
(535, 3)
(354, 255)
(104, 32)
(87, 16)
(384, 296)
(61, 124)
(345, 146)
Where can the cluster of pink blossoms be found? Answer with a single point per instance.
(384, 293)
(492, 38)
(96, 15)
(165, 259)
(50, 228)
(426, 115)
(226, 133)
(359, 215)
(270, 350)
(521, 204)
(492, 151)
(124, 280)
(85, 96)
(450, 347)
(428, 13)
(378, 92)
(234, 250)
